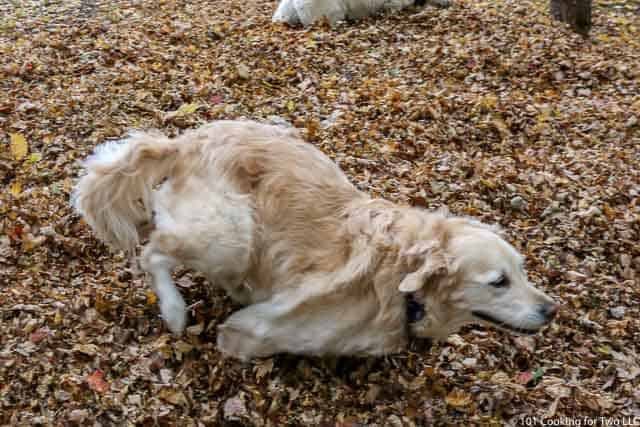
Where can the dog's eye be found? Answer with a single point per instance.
(502, 282)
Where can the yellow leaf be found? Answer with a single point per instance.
(603, 37)
(184, 110)
(67, 184)
(15, 189)
(181, 348)
(34, 157)
(102, 304)
(488, 183)
(151, 298)
(609, 212)
(19, 147)
(188, 108)
(263, 369)
(29, 242)
(291, 106)
(457, 399)
(173, 396)
(101, 44)
(489, 102)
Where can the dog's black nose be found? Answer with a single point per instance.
(549, 310)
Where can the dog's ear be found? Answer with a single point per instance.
(430, 262)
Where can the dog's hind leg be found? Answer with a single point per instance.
(172, 305)
(206, 227)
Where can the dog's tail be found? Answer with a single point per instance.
(114, 196)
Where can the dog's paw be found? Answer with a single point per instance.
(174, 314)
(243, 345)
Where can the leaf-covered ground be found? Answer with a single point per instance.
(486, 107)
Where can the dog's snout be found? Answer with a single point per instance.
(549, 309)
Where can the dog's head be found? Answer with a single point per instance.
(469, 274)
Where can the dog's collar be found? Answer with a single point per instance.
(415, 310)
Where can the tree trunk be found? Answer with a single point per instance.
(577, 13)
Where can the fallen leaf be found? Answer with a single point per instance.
(216, 99)
(37, 336)
(180, 348)
(195, 329)
(19, 146)
(34, 158)
(187, 109)
(96, 381)
(458, 398)
(243, 72)
(538, 374)
(372, 394)
(78, 415)
(234, 408)
(184, 110)
(15, 189)
(152, 299)
(175, 397)
(264, 368)
(524, 378)
(88, 349)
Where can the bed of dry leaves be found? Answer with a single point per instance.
(487, 107)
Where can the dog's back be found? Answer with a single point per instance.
(297, 195)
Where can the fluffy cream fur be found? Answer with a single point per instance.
(321, 267)
(306, 12)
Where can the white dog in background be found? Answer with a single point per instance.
(320, 266)
(306, 12)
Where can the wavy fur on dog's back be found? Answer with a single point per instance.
(114, 196)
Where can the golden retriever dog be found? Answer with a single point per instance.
(320, 267)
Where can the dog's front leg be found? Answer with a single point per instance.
(172, 305)
(321, 325)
